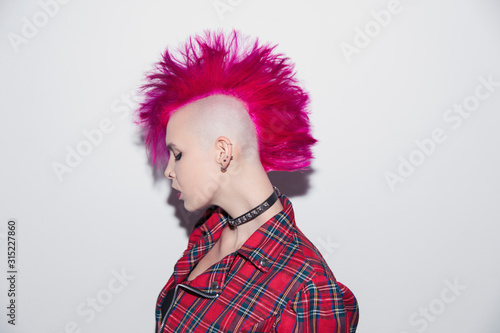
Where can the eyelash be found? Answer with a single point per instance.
(178, 156)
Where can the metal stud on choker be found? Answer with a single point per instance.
(253, 213)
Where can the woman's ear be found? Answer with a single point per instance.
(224, 149)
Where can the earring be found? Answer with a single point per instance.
(223, 170)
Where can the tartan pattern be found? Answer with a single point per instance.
(277, 281)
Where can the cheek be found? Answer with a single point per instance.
(202, 184)
(189, 175)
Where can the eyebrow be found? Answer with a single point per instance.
(171, 146)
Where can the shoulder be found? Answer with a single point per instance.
(300, 266)
(318, 280)
(308, 252)
(321, 292)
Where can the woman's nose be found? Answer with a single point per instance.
(169, 173)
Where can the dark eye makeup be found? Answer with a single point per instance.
(178, 156)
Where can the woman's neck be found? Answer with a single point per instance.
(232, 238)
(241, 195)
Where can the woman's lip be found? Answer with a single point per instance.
(179, 195)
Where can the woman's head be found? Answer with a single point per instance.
(202, 137)
(262, 81)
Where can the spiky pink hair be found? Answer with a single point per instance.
(229, 64)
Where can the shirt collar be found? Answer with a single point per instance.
(266, 244)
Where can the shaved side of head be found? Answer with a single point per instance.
(221, 115)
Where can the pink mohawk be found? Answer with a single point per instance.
(229, 65)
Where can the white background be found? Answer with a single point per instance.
(394, 248)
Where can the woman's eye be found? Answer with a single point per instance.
(178, 156)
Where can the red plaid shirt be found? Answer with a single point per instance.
(276, 282)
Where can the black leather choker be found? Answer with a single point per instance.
(253, 213)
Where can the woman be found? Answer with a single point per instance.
(222, 113)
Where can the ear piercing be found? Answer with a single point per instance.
(225, 169)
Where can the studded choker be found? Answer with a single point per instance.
(254, 212)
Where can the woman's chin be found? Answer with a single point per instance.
(190, 207)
